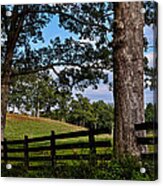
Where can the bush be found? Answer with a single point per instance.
(126, 168)
(17, 171)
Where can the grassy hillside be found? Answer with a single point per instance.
(19, 125)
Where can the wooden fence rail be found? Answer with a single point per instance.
(148, 126)
(25, 148)
(20, 150)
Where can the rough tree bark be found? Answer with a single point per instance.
(4, 98)
(128, 77)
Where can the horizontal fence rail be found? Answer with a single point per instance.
(148, 126)
(147, 140)
(153, 156)
(9, 149)
(23, 149)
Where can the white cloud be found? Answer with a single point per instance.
(87, 41)
(102, 93)
(150, 33)
(151, 58)
(92, 42)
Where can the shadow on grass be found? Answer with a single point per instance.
(124, 169)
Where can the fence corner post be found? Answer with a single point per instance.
(26, 156)
(53, 151)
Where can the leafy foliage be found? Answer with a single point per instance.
(126, 169)
(150, 112)
(40, 93)
(32, 19)
(151, 15)
(104, 114)
(150, 12)
(83, 113)
(33, 93)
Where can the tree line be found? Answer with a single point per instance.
(39, 95)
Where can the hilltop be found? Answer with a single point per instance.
(19, 125)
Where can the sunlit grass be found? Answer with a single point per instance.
(19, 125)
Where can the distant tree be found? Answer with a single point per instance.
(104, 114)
(63, 98)
(33, 93)
(150, 114)
(81, 112)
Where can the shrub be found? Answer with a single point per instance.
(126, 168)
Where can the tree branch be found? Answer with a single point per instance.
(50, 66)
(55, 72)
(70, 16)
(14, 31)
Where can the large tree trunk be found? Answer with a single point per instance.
(4, 92)
(128, 77)
(4, 100)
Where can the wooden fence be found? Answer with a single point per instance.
(149, 140)
(24, 147)
(8, 147)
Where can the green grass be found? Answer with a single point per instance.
(20, 125)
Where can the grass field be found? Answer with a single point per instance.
(20, 125)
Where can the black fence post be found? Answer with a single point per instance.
(92, 145)
(5, 151)
(53, 151)
(26, 157)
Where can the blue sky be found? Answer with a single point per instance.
(102, 93)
